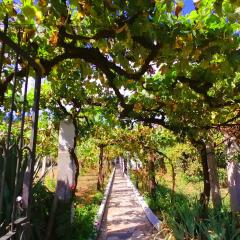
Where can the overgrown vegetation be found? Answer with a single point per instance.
(85, 213)
(85, 207)
(41, 208)
(181, 217)
(180, 211)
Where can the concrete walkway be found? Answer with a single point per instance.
(124, 218)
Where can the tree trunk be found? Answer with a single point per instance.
(68, 169)
(137, 180)
(205, 195)
(152, 175)
(109, 165)
(100, 169)
(162, 165)
(213, 177)
(125, 170)
(76, 167)
(173, 180)
(233, 172)
(137, 175)
(146, 178)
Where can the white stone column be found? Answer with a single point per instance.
(233, 172)
(66, 167)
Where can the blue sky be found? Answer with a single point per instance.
(188, 7)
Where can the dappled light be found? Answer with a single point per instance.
(119, 119)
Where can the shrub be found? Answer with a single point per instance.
(83, 222)
(98, 197)
(182, 218)
(40, 209)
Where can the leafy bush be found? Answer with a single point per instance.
(182, 219)
(193, 173)
(222, 174)
(98, 197)
(186, 223)
(83, 222)
(40, 209)
(50, 183)
(84, 217)
(9, 180)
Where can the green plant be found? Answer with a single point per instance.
(181, 217)
(82, 227)
(10, 172)
(97, 199)
(50, 183)
(40, 209)
(222, 174)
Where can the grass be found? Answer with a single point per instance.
(181, 215)
(83, 228)
(182, 219)
(87, 202)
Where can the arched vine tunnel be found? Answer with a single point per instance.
(84, 83)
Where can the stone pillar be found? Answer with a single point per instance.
(233, 172)
(66, 166)
(122, 164)
(62, 210)
(213, 176)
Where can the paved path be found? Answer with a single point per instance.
(124, 217)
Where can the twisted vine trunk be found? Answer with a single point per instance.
(173, 180)
(100, 169)
(125, 166)
(162, 165)
(152, 175)
(205, 195)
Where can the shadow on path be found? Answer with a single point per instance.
(124, 217)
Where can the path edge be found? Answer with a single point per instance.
(153, 219)
(99, 217)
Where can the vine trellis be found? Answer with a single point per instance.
(15, 215)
